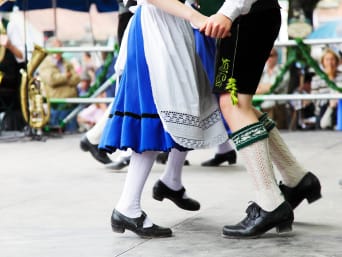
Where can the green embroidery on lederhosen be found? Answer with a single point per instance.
(222, 72)
(221, 78)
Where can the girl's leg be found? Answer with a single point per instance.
(224, 153)
(170, 183)
(138, 171)
(172, 175)
(128, 213)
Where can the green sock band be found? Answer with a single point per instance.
(249, 135)
(268, 123)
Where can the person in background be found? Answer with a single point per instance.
(326, 110)
(89, 116)
(84, 85)
(89, 142)
(13, 45)
(88, 66)
(303, 116)
(276, 110)
(61, 80)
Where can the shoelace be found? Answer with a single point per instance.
(253, 211)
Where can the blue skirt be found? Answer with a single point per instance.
(160, 105)
(132, 125)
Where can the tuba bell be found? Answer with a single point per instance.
(2, 48)
(35, 105)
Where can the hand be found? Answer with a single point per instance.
(217, 26)
(198, 20)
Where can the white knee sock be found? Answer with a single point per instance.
(95, 133)
(138, 171)
(172, 175)
(224, 147)
(258, 164)
(290, 169)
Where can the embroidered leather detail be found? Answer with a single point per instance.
(222, 73)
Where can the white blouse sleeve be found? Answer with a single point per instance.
(15, 34)
(234, 8)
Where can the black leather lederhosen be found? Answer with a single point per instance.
(244, 54)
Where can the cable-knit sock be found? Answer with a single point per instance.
(252, 143)
(289, 168)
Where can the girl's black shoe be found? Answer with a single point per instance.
(308, 188)
(229, 157)
(120, 223)
(161, 191)
(259, 221)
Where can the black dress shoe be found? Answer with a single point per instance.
(309, 187)
(229, 157)
(98, 154)
(161, 191)
(120, 223)
(120, 164)
(259, 221)
(162, 158)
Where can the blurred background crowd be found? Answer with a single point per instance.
(75, 74)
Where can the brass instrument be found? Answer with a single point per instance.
(34, 105)
(2, 48)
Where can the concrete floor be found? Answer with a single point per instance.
(57, 201)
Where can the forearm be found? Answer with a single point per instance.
(176, 8)
(234, 8)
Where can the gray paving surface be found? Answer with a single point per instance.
(56, 201)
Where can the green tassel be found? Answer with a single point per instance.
(231, 87)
